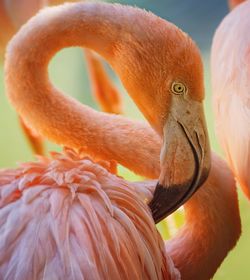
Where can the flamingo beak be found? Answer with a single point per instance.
(185, 159)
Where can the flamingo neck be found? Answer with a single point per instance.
(212, 226)
(57, 116)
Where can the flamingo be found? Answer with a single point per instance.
(231, 99)
(176, 110)
(13, 15)
(87, 210)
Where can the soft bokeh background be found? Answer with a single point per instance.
(199, 19)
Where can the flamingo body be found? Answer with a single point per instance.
(68, 217)
(71, 218)
(231, 93)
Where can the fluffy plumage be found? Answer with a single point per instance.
(70, 218)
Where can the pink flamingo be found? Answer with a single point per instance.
(231, 99)
(80, 210)
(14, 13)
(176, 111)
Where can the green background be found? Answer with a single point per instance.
(68, 72)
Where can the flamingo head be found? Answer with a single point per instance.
(185, 153)
(162, 70)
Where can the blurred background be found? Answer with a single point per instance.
(68, 72)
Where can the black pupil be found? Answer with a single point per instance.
(179, 88)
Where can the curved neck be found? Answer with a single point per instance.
(56, 116)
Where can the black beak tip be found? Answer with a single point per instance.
(159, 205)
(165, 201)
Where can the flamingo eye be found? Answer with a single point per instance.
(178, 88)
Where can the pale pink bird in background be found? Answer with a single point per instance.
(70, 216)
(231, 93)
(14, 13)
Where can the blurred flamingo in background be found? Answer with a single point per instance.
(104, 91)
(13, 14)
(70, 217)
(231, 94)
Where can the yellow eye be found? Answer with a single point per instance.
(178, 88)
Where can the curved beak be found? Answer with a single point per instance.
(185, 158)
